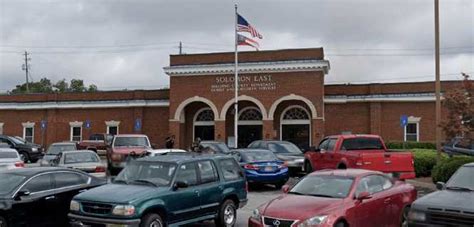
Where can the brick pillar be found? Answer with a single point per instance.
(375, 118)
(219, 131)
(317, 131)
(268, 131)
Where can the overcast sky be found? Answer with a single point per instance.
(118, 44)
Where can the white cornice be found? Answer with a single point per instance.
(249, 67)
(381, 98)
(84, 104)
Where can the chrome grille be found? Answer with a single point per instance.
(96, 208)
(451, 218)
(277, 222)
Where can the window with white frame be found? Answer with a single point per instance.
(412, 129)
(29, 131)
(76, 131)
(1, 128)
(112, 127)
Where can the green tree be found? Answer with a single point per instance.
(62, 86)
(46, 86)
(92, 88)
(77, 85)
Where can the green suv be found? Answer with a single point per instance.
(169, 190)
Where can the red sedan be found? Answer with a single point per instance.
(339, 198)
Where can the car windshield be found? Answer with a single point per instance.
(463, 178)
(56, 149)
(362, 144)
(17, 140)
(284, 148)
(8, 154)
(323, 186)
(80, 157)
(218, 147)
(96, 137)
(258, 156)
(131, 142)
(156, 173)
(9, 182)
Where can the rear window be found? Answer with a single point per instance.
(258, 156)
(230, 169)
(362, 144)
(8, 154)
(80, 157)
(131, 142)
(56, 149)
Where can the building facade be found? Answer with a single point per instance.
(282, 95)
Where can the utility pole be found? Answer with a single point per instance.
(437, 82)
(26, 67)
(180, 48)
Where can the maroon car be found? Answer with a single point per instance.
(122, 147)
(340, 198)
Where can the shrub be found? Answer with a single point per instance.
(425, 160)
(446, 168)
(410, 145)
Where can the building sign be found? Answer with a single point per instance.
(403, 120)
(246, 83)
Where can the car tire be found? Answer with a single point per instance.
(308, 167)
(3, 222)
(227, 214)
(24, 157)
(340, 224)
(404, 218)
(152, 220)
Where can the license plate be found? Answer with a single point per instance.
(268, 169)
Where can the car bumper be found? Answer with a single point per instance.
(35, 155)
(254, 223)
(118, 165)
(85, 221)
(99, 175)
(255, 177)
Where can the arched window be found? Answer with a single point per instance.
(204, 124)
(295, 126)
(204, 117)
(296, 113)
(250, 116)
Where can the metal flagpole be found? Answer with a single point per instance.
(236, 84)
(437, 82)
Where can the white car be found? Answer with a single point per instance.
(158, 152)
(10, 159)
(85, 160)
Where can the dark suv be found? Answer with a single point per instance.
(166, 191)
(29, 152)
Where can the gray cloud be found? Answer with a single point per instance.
(105, 29)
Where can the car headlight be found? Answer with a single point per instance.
(124, 210)
(416, 216)
(34, 149)
(256, 215)
(74, 206)
(314, 221)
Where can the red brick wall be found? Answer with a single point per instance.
(353, 117)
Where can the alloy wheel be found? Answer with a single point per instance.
(156, 223)
(229, 215)
(23, 158)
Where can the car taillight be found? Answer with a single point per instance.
(99, 169)
(20, 164)
(250, 166)
(116, 157)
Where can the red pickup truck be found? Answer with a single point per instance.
(360, 152)
(97, 143)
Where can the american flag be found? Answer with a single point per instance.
(244, 41)
(244, 26)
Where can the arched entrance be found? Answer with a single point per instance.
(250, 125)
(295, 126)
(203, 124)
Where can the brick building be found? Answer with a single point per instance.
(282, 95)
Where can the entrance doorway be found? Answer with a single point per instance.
(296, 126)
(204, 132)
(204, 124)
(297, 134)
(248, 134)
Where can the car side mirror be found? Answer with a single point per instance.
(440, 185)
(285, 188)
(363, 196)
(180, 184)
(22, 193)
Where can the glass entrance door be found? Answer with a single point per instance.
(297, 134)
(204, 132)
(248, 134)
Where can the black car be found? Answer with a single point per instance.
(40, 196)
(29, 152)
(285, 151)
(452, 205)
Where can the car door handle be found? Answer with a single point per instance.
(83, 190)
(50, 197)
(387, 201)
(197, 192)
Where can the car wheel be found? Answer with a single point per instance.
(340, 224)
(3, 222)
(152, 220)
(404, 220)
(308, 167)
(24, 157)
(227, 214)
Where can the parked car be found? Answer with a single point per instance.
(361, 152)
(54, 150)
(262, 166)
(285, 151)
(96, 142)
(217, 146)
(158, 152)
(339, 198)
(85, 160)
(40, 196)
(122, 147)
(10, 159)
(169, 190)
(29, 152)
(459, 146)
(451, 205)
